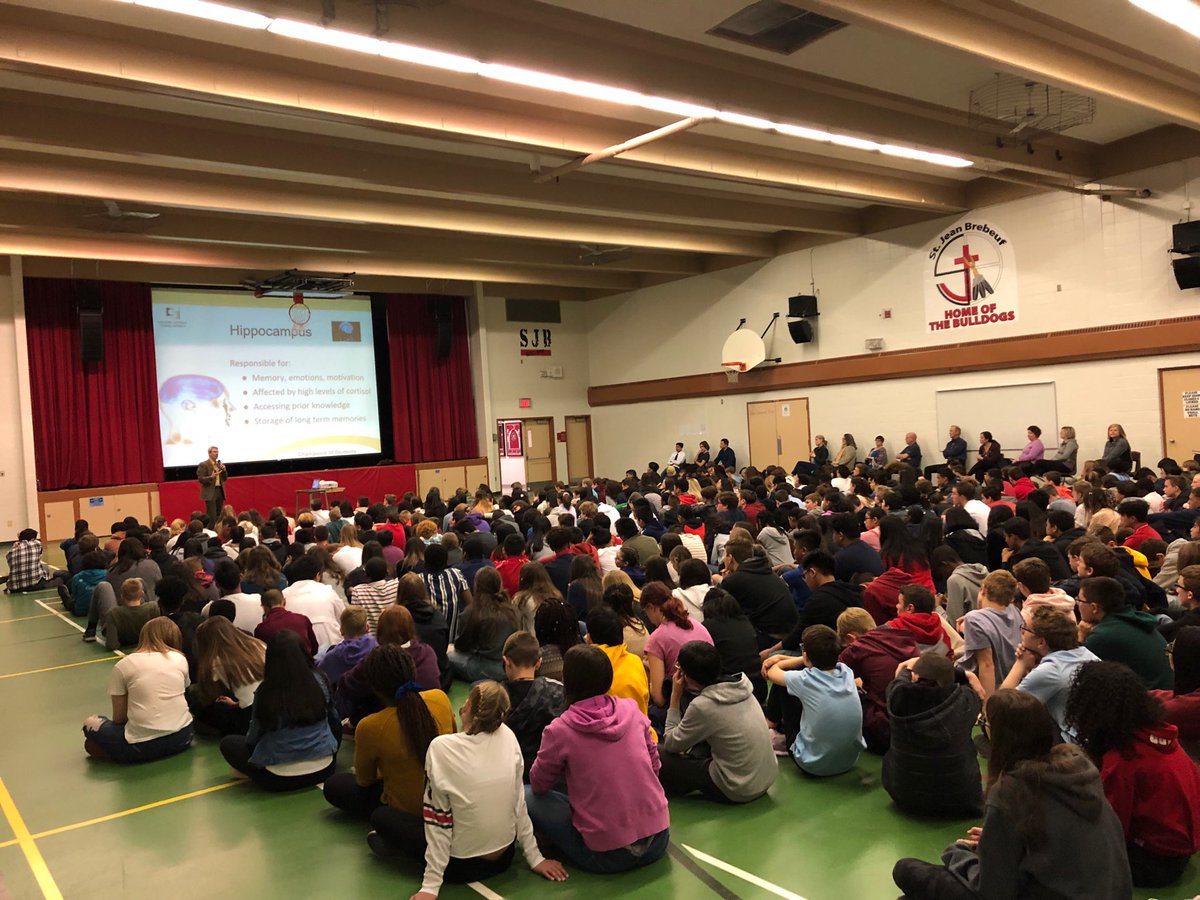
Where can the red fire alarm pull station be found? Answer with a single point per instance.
(562, 437)
(525, 403)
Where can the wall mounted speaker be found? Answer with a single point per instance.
(443, 322)
(802, 306)
(90, 307)
(1187, 272)
(801, 332)
(1185, 237)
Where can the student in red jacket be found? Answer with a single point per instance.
(1153, 786)
(873, 654)
(509, 563)
(1182, 704)
(918, 616)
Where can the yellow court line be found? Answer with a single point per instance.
(32, 854)
(137, 809)
(27, 618)
(86, 662)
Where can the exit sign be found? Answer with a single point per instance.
(525, 403)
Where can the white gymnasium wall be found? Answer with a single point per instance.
(510, 376)
(1081, 262)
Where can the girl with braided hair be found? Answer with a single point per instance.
(390, 747)
(1149, 780)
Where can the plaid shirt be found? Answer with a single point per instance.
(25, 567)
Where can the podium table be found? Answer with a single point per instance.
(307, 494)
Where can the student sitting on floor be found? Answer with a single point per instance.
(390, 748)
(536, 701)
(740, 765)
(355, 697)
(276, 618)
(229, 669)
(1047, 830)
(123, 624)
(613, 816)
(294, 733)
(486, 625)
(931, 767)
(992, 633)
(673, 627)
(1150, 782)
(872, 654)
(628, 674)
(474, 806)
(357, 641)
(93, 568)
(150, 717)
(824, 728)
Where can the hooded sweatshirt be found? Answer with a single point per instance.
(693, 599)
(931, 767)
(873, 657)
(763, 595)
(1155, 791)
(1077, 824)
(588, 745)
(824, 606)
(1056, 598)
(629, 676)
(881, 596)
(1130, 636)
(779, 552)
(927, 629)
(962, 589)
(727, 717)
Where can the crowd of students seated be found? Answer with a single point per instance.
(686, 628)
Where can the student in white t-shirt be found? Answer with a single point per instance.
(150, 717)
(474, 809)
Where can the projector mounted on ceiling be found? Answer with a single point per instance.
(319, 285)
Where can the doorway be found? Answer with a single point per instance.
(779, 432)
(579, 448)
(526, 448)
(1179, 404)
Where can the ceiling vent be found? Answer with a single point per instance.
(776, 26)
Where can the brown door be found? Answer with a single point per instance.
(539, 453)
(792, 422)
(764, 436)
(1179, 394)
(579, 448)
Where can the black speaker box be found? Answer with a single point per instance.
(801, 332)
(1187, 272)
(443, 329)
(802, 306)
(90, 307)
(1185, 237)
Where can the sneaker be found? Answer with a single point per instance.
(89, 636)
(68, 601)
(778, 743)
(380, 847)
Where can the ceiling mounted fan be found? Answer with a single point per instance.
(114, 216)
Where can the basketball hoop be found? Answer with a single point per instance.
(743, 351)
(734, 366)
(731, 374)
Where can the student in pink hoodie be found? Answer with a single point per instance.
(1033, 581)
(608, 824)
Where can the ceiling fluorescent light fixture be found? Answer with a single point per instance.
(214, 12)
(1180, 13)
(589, 90)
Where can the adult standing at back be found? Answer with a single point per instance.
(212, 476)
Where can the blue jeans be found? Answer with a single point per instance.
(110, 738)
(471, 668)
(551, 814)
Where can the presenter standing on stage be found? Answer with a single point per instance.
(212, 475)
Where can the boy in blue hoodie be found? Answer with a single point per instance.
(829, 737)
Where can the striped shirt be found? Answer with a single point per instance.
(447, 593)
(374, 597)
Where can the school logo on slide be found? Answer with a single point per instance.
(970, 278)
(347, 331)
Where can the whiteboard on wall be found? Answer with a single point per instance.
(1006, 411)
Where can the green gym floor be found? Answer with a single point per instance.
(186, 827)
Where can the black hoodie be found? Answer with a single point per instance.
(824, 606)
(433, 630)
(763, 596)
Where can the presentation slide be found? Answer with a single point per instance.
(263, 379)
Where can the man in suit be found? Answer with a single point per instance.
(212, 476)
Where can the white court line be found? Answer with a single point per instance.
(742, 873)
(483, 890)
(68, 620)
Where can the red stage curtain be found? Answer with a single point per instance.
(93, 423)
(433, 404)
